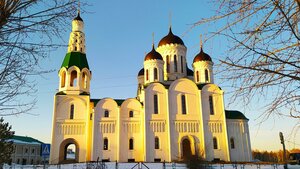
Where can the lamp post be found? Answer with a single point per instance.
(284, 152)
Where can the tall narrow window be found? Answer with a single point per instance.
(73, 81)
(72, 111)
(197, 76)
(215, 142)
(147, 74)
(181, 63)
(131, 113)
(84, 80)
(106, 113)
(63, 79)
(156, 143)
(211, 105)
(105, 144)
(206, 75)
(232, 143)
(131, 144)
(168, 63)
(75, 48)
(183, 104)
(155, 104)
(175, 63)
(155, 74)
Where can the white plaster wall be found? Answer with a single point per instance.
(131, 127)
(171, 50)
(140, 92)
(185, 125)
(77, 37)
(78, 87)
(157, 125)
(106, 127)
(214, 125)
(150, 65)
(201, 66)
(63, 127)
(239, 131)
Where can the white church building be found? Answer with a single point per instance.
(178, 112)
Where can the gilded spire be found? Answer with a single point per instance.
(201, 43)
(153, 40)
(170, 20)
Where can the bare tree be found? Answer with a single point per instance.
(29, 29)
(264, 53)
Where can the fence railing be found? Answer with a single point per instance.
(140, 165)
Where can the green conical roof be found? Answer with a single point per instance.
(75, 59)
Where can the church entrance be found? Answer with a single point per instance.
(68, 152)
(186, 149)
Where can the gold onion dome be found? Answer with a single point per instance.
(153, 55)
(201, 56)
(170, 39)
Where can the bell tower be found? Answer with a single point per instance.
(74, 73)
(71, 123)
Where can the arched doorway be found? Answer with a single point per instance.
(186, 149)
(69, 151)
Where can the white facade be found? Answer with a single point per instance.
(27, 151)
(176, 113)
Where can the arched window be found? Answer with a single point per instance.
(106, 113)
(155, 74)
(181, 59)
(63, 79)
(131, 146)
(147, 74)
(75, 48)
(183, 104)
(197, 76)
(72, 111)
(215, 142)
(206, 75)
(156, 143)
(168, 63)
(73, 81)
(155, 104)
(84, 80)
(80, 49)
(211, 105)
(131, 113)
(232, 143)
(175, 63)
(105, 144)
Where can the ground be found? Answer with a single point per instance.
(112, 165)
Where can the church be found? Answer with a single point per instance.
(177, 113)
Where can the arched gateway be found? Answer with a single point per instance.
(63, 151)
(186, 149)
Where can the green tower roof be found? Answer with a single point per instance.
(75, 59)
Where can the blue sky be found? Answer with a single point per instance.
(118, 34)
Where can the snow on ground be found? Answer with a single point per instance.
(112, 165)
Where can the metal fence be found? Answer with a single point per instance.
(116, 165)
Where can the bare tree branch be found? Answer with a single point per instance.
(29, 29)
(263, 60)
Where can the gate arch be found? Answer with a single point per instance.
(63, 151)
(186, 148)
(189, 146)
